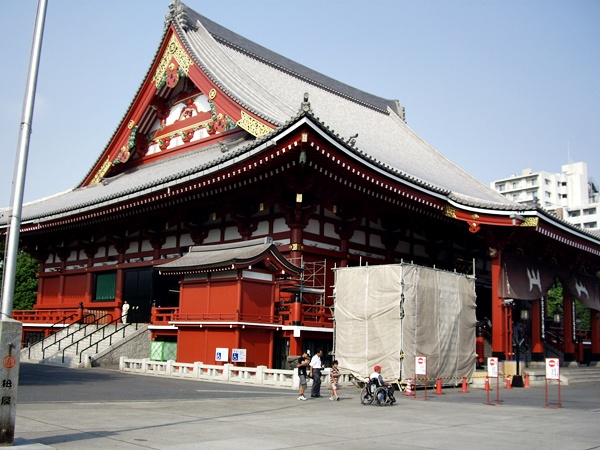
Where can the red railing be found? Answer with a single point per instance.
(312, 315)
(46, 316)
(227, 317)
(162, 316)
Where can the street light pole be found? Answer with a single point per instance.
(11, 330)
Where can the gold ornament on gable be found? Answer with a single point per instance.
(174, 51)
(255, 127)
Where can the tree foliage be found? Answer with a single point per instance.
(26, 281)
(555, 306)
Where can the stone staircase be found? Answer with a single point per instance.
(90, 345)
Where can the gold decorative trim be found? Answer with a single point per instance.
(449, 211)
(103, 170)
(530, 222)
(195, 126)
(253, 126)
(212, 94)
(173, 50)
(131, 124)
(296, 247)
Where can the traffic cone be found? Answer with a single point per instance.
(408, 391)
(464, 385)
(508, 384)
(487, 384)
(526, 379)
(438, 386)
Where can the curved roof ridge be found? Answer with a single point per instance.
(207, 53)
(266, 56)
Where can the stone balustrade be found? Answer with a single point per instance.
(228, 373)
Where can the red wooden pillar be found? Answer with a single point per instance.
(295, 344)
(89, 288)
(595, 334)
(569, 350)
(61, 288)
(119, 291)
(296, 244)
(537, 346)
(344, 251)
(498, 321)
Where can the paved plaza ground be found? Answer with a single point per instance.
(104, 409)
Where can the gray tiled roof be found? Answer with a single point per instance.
(254, 74)
(273, 87)
(226, 256)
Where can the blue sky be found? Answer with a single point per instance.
(495, 85)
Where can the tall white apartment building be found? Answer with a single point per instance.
(572, 195)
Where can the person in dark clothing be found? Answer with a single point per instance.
(303, 363)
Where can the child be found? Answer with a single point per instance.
(334, 374)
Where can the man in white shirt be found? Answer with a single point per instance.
(315, 373)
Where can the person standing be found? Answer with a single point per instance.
(334, 375)
(303, 363)
(315, 373)
(124, 311)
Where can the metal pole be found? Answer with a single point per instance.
(8, 286)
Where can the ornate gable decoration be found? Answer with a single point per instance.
(253, 126)
(182, 107)
(167, 71)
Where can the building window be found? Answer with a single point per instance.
(500, 187)
(105, 287)
(546, 181)
(576, 213)
(589, 211)
(590, 225)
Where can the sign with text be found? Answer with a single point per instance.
(222, 355)
(492, 367)
(552, 369)
(238, 355)
(421, 365)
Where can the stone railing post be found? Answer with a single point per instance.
(227, 368)
(260, 374)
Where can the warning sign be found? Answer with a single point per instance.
(552, 369)
(492, 367)
(421, 365)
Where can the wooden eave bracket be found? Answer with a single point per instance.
(475, 220)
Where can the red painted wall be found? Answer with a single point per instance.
(75, 290)
(50, 288)
(195, 344)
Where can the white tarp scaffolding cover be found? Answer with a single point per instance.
(384, 312)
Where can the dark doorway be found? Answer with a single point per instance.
(280, 353)
(144, 288)
(137, 290)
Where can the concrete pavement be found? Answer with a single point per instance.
(124, 411)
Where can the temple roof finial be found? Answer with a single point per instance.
(177, 13)
(305, 106)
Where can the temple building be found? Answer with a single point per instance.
(238, 180)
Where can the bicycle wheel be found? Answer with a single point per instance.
(366, 398)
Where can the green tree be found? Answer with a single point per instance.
(26, 281)
(555, 306)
